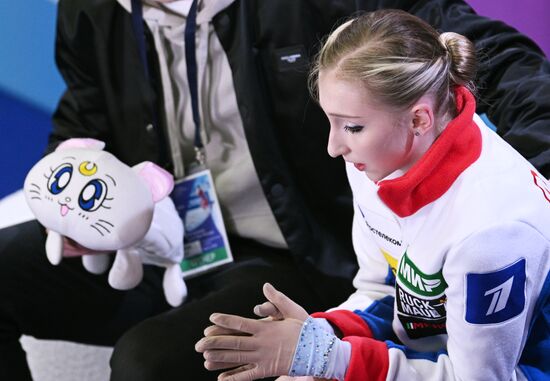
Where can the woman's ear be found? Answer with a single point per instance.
(423, 120)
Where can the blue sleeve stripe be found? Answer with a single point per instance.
(486, 120)
(416, 355)
(379, 317)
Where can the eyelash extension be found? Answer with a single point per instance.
(353, 129)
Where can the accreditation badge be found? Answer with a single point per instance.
(205, 239)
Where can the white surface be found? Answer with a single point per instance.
(65, 361)
(14, 210)
(55, 360)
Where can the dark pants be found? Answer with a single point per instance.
(66, 302)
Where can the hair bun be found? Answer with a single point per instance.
(462, 55)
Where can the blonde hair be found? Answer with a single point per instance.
(399, 58)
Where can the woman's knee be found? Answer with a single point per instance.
(133, 357)
(22, 249)
(160, 348)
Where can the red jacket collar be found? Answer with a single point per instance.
(458, 146)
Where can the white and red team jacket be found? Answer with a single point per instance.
(454, 259)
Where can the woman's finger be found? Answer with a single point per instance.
(235, 322)
(215, 330)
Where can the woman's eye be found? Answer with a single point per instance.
(60, 178)
(353, 129)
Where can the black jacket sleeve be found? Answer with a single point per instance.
(81, 111)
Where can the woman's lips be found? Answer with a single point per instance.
(360, 166)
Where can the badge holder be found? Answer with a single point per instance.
(205, 240)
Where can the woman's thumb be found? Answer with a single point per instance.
(287, 307)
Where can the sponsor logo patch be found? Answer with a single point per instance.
(425, 308)
(386, 236)
(417, 328)
(421, 317)
(423, 284)
(496, 296)
(382, 235)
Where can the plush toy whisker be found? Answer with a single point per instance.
(99, 231)
(101, 226)
(107, 222)
(34, 191)
(112, 179)
(35, 185)
(36, 198)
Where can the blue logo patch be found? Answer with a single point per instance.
(495, 297)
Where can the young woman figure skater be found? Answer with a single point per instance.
(451, 228)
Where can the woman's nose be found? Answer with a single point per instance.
(336, 146)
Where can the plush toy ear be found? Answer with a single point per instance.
(94, 144)
(160, 181)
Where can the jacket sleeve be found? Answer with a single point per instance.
(81, 111)
(495, 281)
(375, 279)
(368, 312)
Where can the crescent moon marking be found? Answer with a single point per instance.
(87, 168)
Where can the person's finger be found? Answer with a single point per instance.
(235, 322)
(72, 248)
(268, 309)
(215, 330)
(244, 343)
(247, 372)
(212, 365)
(286, 306)
(231, 356)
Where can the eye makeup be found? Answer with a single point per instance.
(353, 129)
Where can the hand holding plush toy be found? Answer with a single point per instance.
(86, 194)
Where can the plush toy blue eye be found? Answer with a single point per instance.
(92, 195)
(60, 178)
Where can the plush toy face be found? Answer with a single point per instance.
(90, 196)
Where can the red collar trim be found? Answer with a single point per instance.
(458, 146)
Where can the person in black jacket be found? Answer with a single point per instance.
(286, 205)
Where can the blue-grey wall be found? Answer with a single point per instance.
(29, 86)
(27, 68)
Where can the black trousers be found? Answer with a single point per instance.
(153, 341)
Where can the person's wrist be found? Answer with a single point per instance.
(338, 360)
(319, 352)
(324, 324)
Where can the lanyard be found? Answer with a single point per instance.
(191, 63)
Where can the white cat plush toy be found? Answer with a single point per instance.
(86, 194)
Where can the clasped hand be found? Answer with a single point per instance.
(255, 348)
